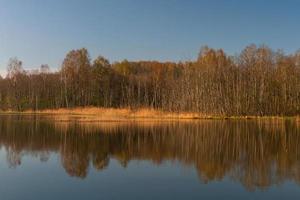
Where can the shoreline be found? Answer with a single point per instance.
(125, 114)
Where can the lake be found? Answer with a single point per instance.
(43, 158)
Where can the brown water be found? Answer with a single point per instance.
(44, 159)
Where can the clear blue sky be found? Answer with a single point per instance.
(43, 31)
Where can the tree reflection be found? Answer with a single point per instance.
(257, 154)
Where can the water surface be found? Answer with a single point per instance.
(45, 159)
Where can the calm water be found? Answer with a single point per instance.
(43, 159)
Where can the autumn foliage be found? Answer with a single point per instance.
(258, 81)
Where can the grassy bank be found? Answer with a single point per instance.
(112, 114)
(119, 114)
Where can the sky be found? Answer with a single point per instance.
(43, 31)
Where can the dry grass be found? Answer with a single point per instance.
(116, 114)
(93, 114)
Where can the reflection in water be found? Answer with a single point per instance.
(255, 153)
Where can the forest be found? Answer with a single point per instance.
(258, 81)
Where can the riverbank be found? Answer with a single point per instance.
(108, 114)
(123, 114)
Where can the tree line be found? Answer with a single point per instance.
(258, 81)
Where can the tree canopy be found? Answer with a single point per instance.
(258, 81)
